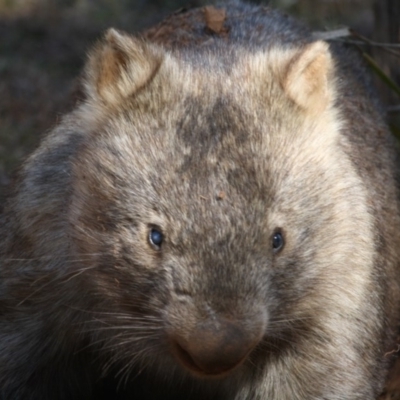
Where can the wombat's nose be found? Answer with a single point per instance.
(214, 348)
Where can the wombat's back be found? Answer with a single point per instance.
(219, 217)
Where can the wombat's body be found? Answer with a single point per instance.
(219, 219)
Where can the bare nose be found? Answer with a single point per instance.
(215, 347)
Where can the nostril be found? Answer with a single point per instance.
(186, 358)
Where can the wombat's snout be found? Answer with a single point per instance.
(217, 346)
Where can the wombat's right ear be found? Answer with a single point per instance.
(119, 66)
(308, 75)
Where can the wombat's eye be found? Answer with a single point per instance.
(155, 238)
(277, 241)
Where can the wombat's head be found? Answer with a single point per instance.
(212, 202)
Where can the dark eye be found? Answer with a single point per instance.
(277, 241)
(156, 237)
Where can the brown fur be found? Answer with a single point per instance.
(220, 140)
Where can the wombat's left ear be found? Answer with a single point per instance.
(308, 74)
(119, 66)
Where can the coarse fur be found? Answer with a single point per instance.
(219, 140)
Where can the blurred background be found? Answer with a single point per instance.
(43, 44)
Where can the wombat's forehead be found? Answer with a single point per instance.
(203, 124)
(214, 126)
(207, 157)
(195, 138)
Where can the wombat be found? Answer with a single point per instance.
(217, 219)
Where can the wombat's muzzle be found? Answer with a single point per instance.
(216, 346)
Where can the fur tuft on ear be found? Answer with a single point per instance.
(307, 79)
(119, 66)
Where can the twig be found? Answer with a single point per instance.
(372, 43)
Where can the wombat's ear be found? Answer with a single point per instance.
(307, 78)
(119, 66)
